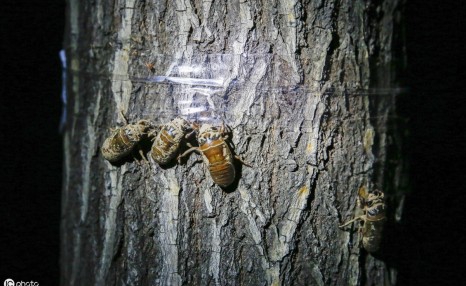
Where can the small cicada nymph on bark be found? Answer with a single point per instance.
(373, 207)
(168, 139)
(123, 140)
(216, 154)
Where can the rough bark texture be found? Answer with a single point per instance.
(285, 76)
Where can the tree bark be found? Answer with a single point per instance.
(307, 90)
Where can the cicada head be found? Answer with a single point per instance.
(375, 206)
(209, 133)
(135, 132)
(181, 123)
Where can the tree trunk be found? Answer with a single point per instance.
(307, 90)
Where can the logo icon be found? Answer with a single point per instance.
(9, 282)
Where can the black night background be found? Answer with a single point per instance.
(427, 247)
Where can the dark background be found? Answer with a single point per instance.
(429, 246)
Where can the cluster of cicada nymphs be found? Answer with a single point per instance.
(373, 207)
(166, 141)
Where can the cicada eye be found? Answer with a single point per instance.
(171, 130)
(186, 127)
(127, 131)
(372, 212)
(378, 193)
